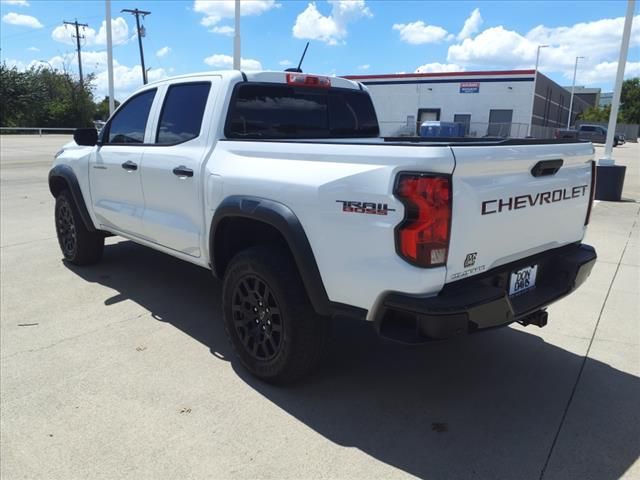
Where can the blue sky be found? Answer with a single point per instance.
(347, 37)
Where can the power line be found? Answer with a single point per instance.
(141, 33)
(77, 36)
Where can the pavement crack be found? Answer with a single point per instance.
(62, 340)
(585, 358)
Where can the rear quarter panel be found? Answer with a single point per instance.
(355, 252)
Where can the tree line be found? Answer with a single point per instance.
(44, 97)
(629, 105)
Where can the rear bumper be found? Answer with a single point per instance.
(482, 302)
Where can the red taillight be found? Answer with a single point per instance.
(423, 236)
(592, 192)
(313, 81)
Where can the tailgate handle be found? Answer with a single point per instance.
(546, 168)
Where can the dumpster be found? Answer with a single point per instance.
(432, 128)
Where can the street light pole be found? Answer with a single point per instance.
(610, 177)
(112, 104)
(615, 102)
(535, 80)
(236, 38)
(573, 88)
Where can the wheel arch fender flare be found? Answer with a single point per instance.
(282, 218)
(62, 176)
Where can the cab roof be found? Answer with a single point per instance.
(261, 76)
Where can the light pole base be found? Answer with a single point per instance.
(609, 182)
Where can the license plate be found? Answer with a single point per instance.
(523, 279)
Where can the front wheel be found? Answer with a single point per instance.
(79, 245)
(268, 317)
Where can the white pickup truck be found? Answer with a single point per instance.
(280, 184)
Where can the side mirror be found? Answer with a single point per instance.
(86, 137)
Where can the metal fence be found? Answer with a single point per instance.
(35, 130)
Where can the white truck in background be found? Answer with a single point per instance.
(280, 184)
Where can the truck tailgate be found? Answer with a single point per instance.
(510, 203)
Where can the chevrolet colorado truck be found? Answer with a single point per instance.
(280, 184)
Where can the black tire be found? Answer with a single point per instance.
(268, 317)
(79, 245)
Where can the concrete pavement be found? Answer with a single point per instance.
(122, 370)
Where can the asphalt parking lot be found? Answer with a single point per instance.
(122, 370)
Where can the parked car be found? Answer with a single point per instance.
(280, 184)
(588, 133)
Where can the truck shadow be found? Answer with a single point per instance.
(487, 406)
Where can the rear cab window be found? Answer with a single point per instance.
(278, 111)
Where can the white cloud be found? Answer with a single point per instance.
(33, 49)
(225, 30)
(13, 18)
(163, 52)
(119, 33)
(17, 3)
(598, 41)
(417, 33)
(216, 10)
(366, 66)
(331, 29)
(285, 63)
(226, 62)
(471, 25)
(439, 67)
(606, 72)
(126, 79)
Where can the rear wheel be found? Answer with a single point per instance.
(268, 318)
(78, 244)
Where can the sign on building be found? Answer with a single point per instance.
(470, 87)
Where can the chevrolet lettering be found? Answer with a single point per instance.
(529, 200)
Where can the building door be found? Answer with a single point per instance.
(427, 115)
(465, 119)
(500, 123)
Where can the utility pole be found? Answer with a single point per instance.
(573, 88)
(140, 31)
(77, 36)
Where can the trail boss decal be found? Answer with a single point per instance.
(470, 260)
(365, 207)
(525, 201)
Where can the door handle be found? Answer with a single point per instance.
(129, 166)
(183, 171)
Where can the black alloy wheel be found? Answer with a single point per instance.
(257, 318)
(66, 229)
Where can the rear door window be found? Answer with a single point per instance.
(273, 111)
(182, 112)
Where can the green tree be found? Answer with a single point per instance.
(43, 97)
(596, 114)
(102, 109)
(630, 100)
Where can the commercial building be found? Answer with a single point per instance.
(490, 103)
(589, 95)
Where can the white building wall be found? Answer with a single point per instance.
(395, 102)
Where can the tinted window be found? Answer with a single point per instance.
(588, 129)
(129, 123)
(182, 112)
(280, 111)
